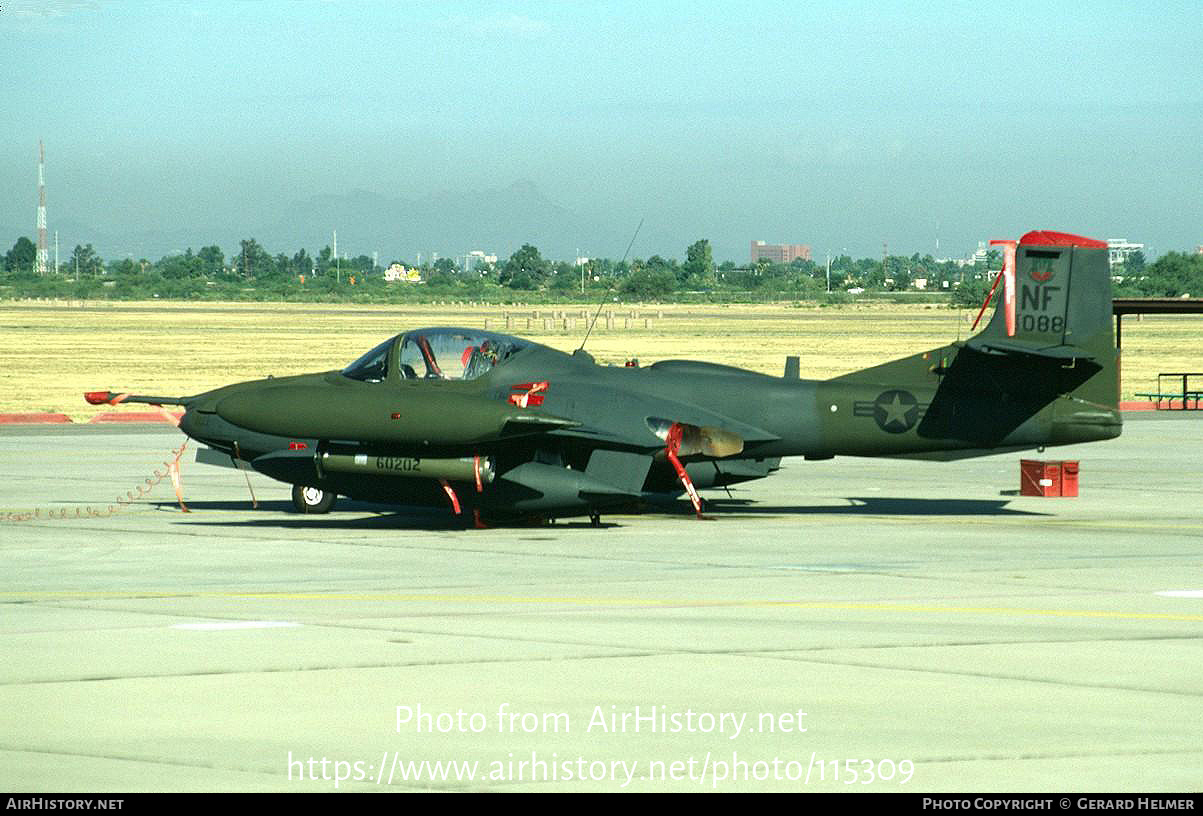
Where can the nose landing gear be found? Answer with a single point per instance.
(312, 500)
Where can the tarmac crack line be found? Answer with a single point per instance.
(120, 758)
(753, 651)
(1029, 756)
(172, 763)
(573, 604)
(981, 675)
(407, 664)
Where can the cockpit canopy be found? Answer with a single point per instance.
(443, 353)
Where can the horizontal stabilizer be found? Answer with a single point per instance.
(962, 453)
(996, 345)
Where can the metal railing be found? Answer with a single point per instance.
(1177, 386)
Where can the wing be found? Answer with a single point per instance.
(631, 420)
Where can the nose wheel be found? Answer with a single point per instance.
(311, 499)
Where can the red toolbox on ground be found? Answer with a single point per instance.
(1038, 478)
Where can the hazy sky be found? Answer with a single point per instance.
(837, 124)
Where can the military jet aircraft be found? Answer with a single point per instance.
(492, 424)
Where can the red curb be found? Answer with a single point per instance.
(136, 416)
(29, 419)
(1138, 406)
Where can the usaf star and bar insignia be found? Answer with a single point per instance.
(895, 411)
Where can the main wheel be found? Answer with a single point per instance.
(311, 499)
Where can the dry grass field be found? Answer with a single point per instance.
(53, 352)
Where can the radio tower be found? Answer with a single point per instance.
(42, 249)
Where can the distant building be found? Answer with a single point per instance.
(397, 272)
(476, 259)
(980, 256)
(1118, 250)
(779, 253)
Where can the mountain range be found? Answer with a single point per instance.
(497, 221)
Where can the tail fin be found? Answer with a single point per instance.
(1044, 371)
(1045, 368)
(1057, 307)
(1056, 302)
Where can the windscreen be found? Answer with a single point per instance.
(373, 366)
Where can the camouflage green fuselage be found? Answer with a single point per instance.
(557, 432)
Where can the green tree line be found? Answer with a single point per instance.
(251, 272)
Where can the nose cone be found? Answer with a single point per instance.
(309, 411)
(209, 428)
(249, 408)
(189, 423)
